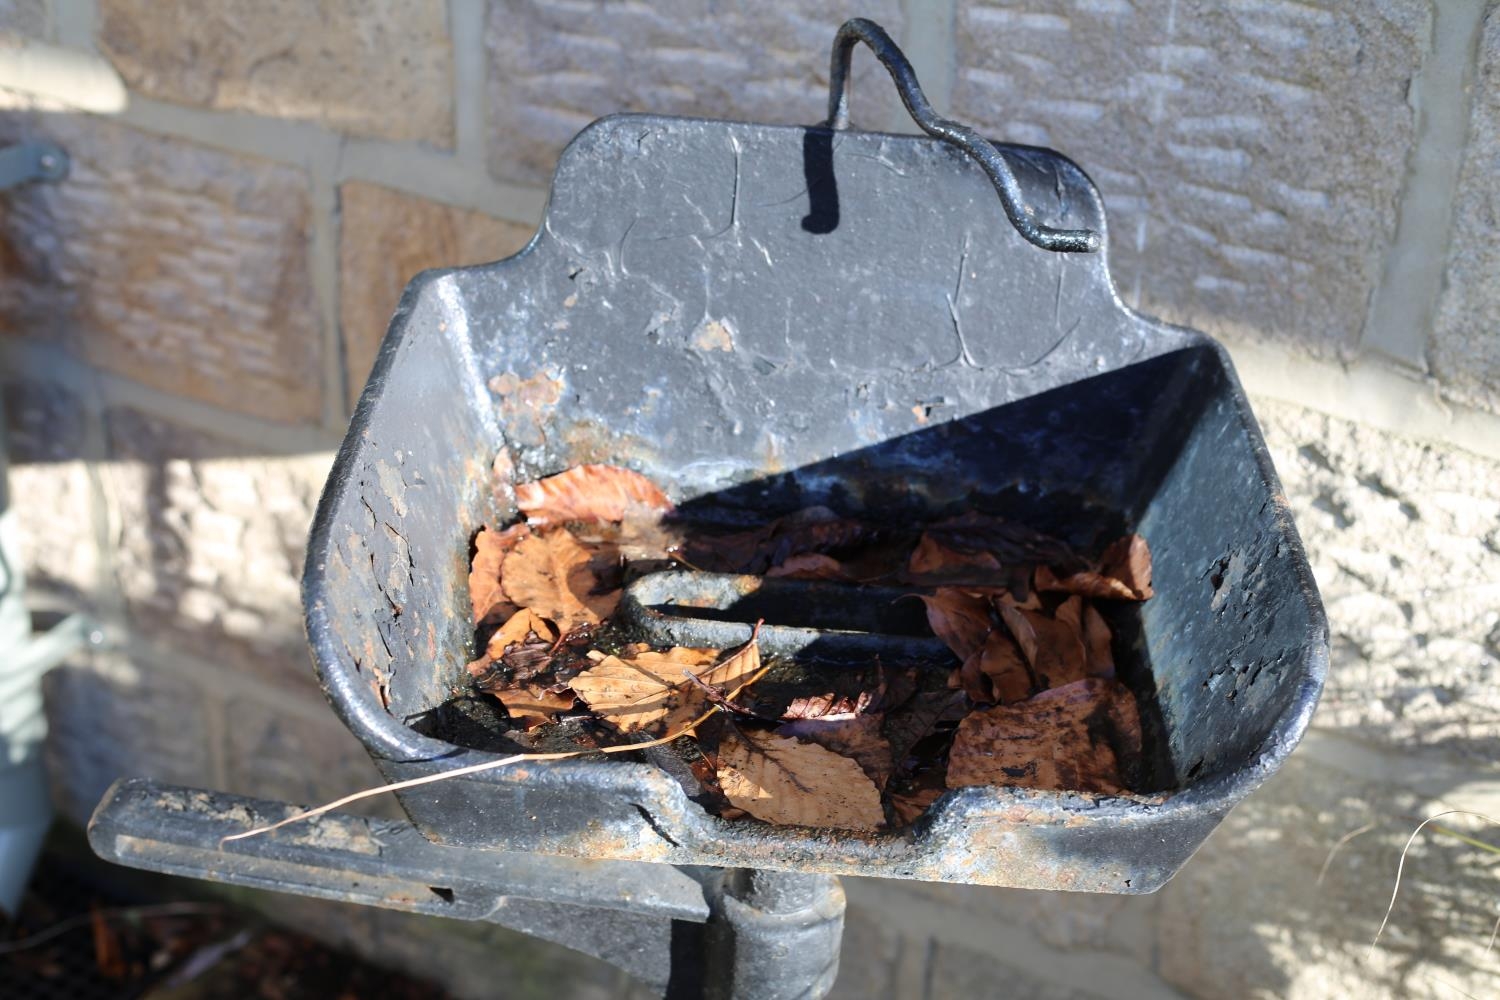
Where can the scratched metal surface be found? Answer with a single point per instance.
(763, 317)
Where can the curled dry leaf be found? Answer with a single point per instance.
(522, 627)
(932, 559)
(552, 575)
(1071, 738)
(533, 706)
(1061, 657)
(1124, 574)
(590, 493)
(1002, 663)
(1128, 560)
(1052, 645)
(857, 737)
(828, 706)
(918, 719)
(1020, 628)
(1007, 541)
(1097, 641)
(959, 618)
(647, 691)
(810, 566)
(486, 596)
(783, 780)
(911, 804)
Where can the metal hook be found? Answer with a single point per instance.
(859, 29)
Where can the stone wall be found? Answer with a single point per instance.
(186, 322)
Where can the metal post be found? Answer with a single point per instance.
(773, 935)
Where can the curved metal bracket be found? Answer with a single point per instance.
(859, 29)
(32, 161)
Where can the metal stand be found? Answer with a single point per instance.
(689, 932)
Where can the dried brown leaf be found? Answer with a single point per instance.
(783, 780)
(590, 493)
(810, 566)
(971, 679)
(1128, 560)
(959, 618)
(1061, 657)
(756, 550)
(855, 736)
(909, 806)
(552, 575)
(830, 705)
(1123, 574)
(1020, 628)
(931, 558)
(533, 706)
(647, 691)
(490, 549)
(1097, 641)
(523, 626)
(1087, 583)
(1067, 739)
(1001, 661)
(919, 717)
(1007, 541)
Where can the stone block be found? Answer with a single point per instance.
(867, 959)
(50, 489)
(111, 717)
(178, 266)
(467, 959)
(385, 238)
(959, 973)
(1250, 157)
(305, 757)
(1250, 916)
(210, 543)
(1404, 540)
(383, 70)
(556, 65)
(1465, 346)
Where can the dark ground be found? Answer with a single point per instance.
(91, 931)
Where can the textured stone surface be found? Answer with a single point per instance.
(22, 19)
(385, 238)
(371, 69)
(1250, 156)
(472, 961)
(1404, 540)
(304, 757)
(867, 960)
(210, 543)
(1465, 346)
(178, 266)
(50, 489)
(111, 717)
(556, 65)
(959, 973)
(1249, 918)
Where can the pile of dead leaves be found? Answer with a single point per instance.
(1031, 702)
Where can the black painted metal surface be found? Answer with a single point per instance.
(762, 318)
(809, 618)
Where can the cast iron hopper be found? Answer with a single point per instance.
(762, 318)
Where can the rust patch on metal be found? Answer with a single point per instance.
(713, 335)
(526, 405)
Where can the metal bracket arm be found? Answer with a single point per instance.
(637, 916)
(31, 161)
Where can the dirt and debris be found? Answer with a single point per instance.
(1030, 698)
(74, 938)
